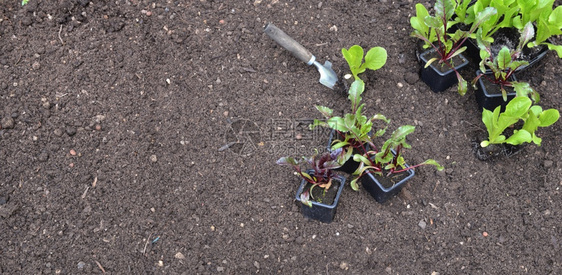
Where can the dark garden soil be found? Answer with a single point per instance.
(140, 137)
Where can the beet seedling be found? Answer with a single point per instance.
(354, 127)
(505, 64)
(322, 176)
(374, 59)
(386, 162)
(433, 31)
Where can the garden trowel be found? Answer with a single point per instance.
(328, 77)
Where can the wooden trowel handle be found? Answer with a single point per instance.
(288, 43)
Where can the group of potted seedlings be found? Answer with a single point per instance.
(481, 29)
(504, 37)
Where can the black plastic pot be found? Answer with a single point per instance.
(379, 187)
(494, 151)
(507, 36)
(489, 95)
(350, 165)
(321, 211)
(439, 77)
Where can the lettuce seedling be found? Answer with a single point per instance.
(374, 59)
(354, 127)
(517, 109)
(548, 21)
(375, 161)
(506, 11)
(504, 65)
(322, 176)
(433, 30)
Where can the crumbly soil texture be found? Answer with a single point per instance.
(140, 137)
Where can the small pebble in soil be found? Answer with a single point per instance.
(179, 256)
(422, 224)
(485, 234)
(43, 156)
(36, 65)
(71, 165)
(98, 127)
(153, 158)
(70, 131)
(57, 132)
(7, 123)
(548, 163)
(72, 152)
(411, 78)
(344, 266)
(81, 265)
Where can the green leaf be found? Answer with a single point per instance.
(287, 161)
(504, 58)
(308, 176)
(375, 58)
(519, 137)
(380, 117)
(305, 198)
(355, 91)
(482, 17)
(316, 123)
(337, 124)
(361, 158)
(462, 86)
(527, 34)
(556, 48)
(430, 61)
(354, 57)
(488, 120)
(417, 22)
(354, 184)
(433, 22)
(555, 18)
(345, 155)
(517, 107)
(433, 162)
(402, 131)
(444, 9)
(340, 144)
(548, 117)
(325, 111)
(523, 89)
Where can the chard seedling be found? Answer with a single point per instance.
(354, 127)
(322, 176)
(385, 162)
(433, 30)
(506, 11)
(519, 108)
(504, 65)
(374, 59)
(548, 21)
